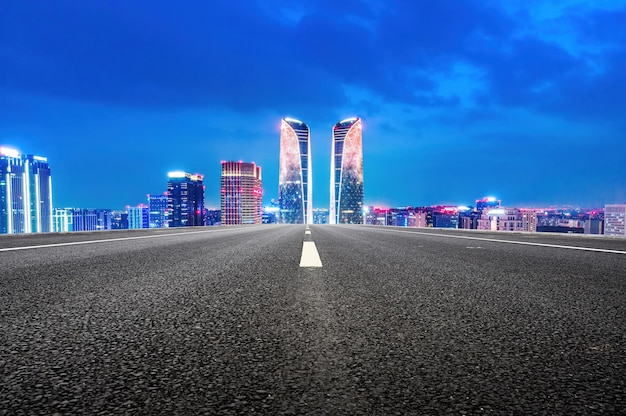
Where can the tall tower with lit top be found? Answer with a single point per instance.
(346, 173)
(25, 193)
(295, 189)
(185, 199)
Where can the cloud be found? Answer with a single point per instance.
(276, 56)
(162, 56)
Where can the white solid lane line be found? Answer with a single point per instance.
(106, 240)
(310, 256)
(525, 243)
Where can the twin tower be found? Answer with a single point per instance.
(295, 190)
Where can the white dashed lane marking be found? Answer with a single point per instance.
(310, 256)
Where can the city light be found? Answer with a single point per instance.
(5, 151)
(176, 174)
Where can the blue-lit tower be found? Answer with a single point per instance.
(25, 193)
(185, 199)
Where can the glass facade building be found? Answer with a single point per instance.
(25, 193)
(185, 199)
(158, 210)
(295, 190)
(346, 173)
(241, 193)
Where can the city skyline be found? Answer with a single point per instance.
(523, 100)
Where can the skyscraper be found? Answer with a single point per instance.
(138, 217)
(295, 190)
(241, 193)
(25, 193)
(185, 199)
(346, 173)
(158, 210)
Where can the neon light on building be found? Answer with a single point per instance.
(295, 188)
(25, 193)
(346, 173)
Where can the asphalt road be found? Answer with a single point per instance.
(396, 321)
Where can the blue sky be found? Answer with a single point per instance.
(460, 99)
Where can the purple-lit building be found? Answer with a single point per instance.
(295, 190)
(346, 173)
(241, 193)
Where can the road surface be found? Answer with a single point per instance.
(391, 321)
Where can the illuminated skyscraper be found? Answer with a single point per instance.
(295, 190)
(185, 199)
(25, 193)
(158, 210)
(241, 193)
(346, 173)
(138, 217)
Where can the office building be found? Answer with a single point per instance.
(62, 220)
(84, 219)
(185, 199)
(295, 190)
(615, 219)
(346, 173)
(213, 217)
(241, 193)
(320, 216)
(25, 193)
(119, 220)
(529, 219)
(138, 217)
(594, 226)
(157, 205)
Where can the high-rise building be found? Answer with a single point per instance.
(185, 199)
(25, 193)
(62, 220)
(138, 217)
(241, 193)
(529, 219)
(346, 173)
(615, 219)
(320, 216)
(158, 210)
(295, 190)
